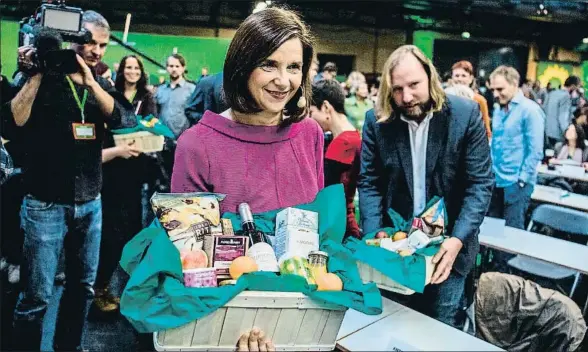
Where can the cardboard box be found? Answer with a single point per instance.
(226, 249)
(298, 219)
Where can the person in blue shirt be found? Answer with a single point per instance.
(518, 127)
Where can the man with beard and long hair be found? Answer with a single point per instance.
(419, 143)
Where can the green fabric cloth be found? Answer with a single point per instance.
(155, 297)
(409, 271)
(158, 129)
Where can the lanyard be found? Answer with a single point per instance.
(81, 104)
(132, 98)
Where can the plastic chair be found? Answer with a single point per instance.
(562, 219)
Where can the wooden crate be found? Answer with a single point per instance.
(293, 321)
(369, 274)
(146, 142)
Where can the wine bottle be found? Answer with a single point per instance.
(261, 250)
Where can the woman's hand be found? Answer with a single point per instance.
(255, 340)
(127, 151)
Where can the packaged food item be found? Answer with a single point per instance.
(188, 217)
(296, 232)
(433, 219)
(394, 246)
(374, 242)
(298, 219)
(226, 249)
(317, 263)
(227, 282)
(418, 239)
(296, 242)
(227, 226)
(296, 265)
(205, 277)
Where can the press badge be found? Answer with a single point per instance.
(84, 131)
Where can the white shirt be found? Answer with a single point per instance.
(418, 134)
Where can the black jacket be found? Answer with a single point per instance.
(207, 96)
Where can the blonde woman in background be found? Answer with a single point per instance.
(460, 90)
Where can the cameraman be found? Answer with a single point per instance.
(62, 119)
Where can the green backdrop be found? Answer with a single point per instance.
(198, 51)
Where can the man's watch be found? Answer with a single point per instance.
(522, 183)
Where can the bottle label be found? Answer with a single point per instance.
(264, 256)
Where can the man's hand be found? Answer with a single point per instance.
(444, 259)
(84, 76)
(25, 60)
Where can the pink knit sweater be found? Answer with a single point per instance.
(266, 166)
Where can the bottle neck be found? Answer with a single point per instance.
(248, 226)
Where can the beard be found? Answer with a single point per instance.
(414, 112)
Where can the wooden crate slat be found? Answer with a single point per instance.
(332, 327)
(267, 320)
(259, 299)
(308, 326)
(180, 336)
(237, 321)
(160, 337)
(208, 329)
(318, 332)
(288, 325)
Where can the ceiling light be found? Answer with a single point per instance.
(585, 40)
(465, 35)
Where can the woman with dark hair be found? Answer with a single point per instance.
(124, 171)
(574, 147)
(262, 150)
(131, 80)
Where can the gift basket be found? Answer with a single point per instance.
(147, 136)
(199, 280)
(399, 258)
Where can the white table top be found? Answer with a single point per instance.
(355, 320)
(552, 195)
(567, 171)
(408, 330)
(549, 249)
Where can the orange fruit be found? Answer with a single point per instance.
(242, 265)
(329, 282)
(400, 235)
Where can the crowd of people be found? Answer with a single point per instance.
(269, 130)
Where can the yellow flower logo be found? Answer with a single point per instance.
(554, 74)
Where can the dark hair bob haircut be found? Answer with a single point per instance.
(256, 39)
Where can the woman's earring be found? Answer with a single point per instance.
(301, 101)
